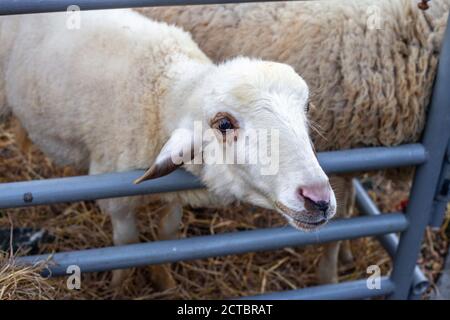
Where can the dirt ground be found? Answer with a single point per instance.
(81, 225)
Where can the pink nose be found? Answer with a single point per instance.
(316, 193)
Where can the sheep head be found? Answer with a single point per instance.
(246, 136)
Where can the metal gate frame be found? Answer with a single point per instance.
(428, 198)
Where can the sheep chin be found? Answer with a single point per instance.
(298, 224)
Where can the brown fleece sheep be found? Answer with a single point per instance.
(371, 83)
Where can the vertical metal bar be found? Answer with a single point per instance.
(435, 138)
(440, 208)
(442, 194)
(388, 241)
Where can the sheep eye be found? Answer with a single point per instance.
(224, 125)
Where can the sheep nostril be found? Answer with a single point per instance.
(322, 206)
(315, 205)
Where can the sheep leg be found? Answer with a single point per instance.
(327, 271)
(124, 226)
(120, 210)
(167, 230)
(3, 107)
(345, 252)
(21, 135)
(3, 110)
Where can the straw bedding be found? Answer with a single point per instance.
(81, 225)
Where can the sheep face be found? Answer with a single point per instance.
(257, 111)
(250, 142)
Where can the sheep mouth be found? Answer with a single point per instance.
(306, 226)
(297, 219)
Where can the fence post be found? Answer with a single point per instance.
(435, 139)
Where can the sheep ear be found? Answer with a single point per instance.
(178, 150)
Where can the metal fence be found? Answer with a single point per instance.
(428, 198)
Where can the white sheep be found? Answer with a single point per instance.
(124, 92)
(370, 65)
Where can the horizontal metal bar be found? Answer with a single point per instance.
(388, 241)
(39, 192)
(110, 185)
(341, 291)
(142, 254)
(365, 159)
(37, 6)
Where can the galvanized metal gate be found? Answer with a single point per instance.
(428, 199)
